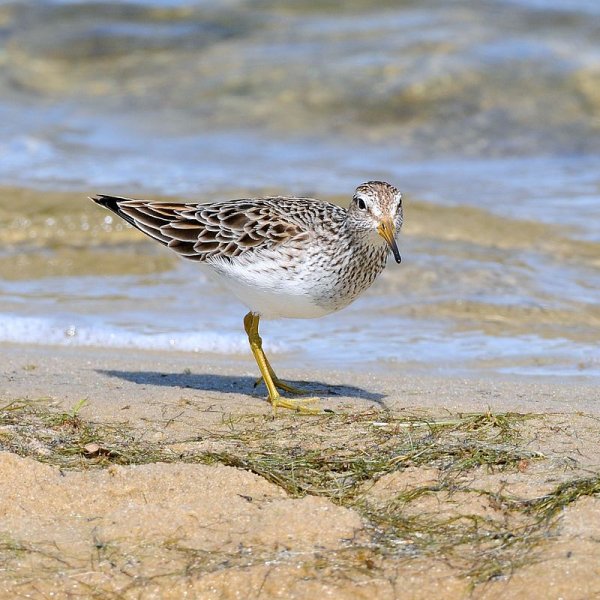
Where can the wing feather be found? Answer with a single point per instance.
(184, 234)
(203, 231)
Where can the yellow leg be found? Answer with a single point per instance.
(251, 321)
(279, 383)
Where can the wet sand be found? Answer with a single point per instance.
(493, 505)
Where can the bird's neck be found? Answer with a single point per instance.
(368, 240)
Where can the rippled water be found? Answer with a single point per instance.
(486, 114)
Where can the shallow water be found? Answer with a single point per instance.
(487, 116)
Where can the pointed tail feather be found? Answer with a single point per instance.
(112, 203)
(135, 214)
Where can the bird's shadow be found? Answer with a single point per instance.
(231, 384)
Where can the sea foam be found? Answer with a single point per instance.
(37, 330)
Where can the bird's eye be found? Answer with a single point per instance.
(362, 205)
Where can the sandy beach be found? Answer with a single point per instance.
(148, 475)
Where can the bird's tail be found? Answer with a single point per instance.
(112, 203)
(148, 217)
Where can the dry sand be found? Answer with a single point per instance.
(174, 480)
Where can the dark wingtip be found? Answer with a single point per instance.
(110, 202)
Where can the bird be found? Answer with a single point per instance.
(281, 256)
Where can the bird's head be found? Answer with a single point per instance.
(376, 208)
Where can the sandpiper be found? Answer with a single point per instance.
(283, 257)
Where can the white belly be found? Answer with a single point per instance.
(274, 304)
(269, 293)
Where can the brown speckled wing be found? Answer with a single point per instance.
(204, 231)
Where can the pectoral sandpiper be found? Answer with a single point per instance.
(281, 256)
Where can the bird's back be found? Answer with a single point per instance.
(229, 229)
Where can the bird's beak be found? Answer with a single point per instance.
(387, 230)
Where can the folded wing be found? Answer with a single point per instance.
(203, 231)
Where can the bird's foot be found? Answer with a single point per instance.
(304, 406)
(284, 387)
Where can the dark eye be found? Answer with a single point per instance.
(361, 204)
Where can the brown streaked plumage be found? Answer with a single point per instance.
(281, 256)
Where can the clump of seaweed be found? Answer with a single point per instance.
(35, 429)
(453, 446)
